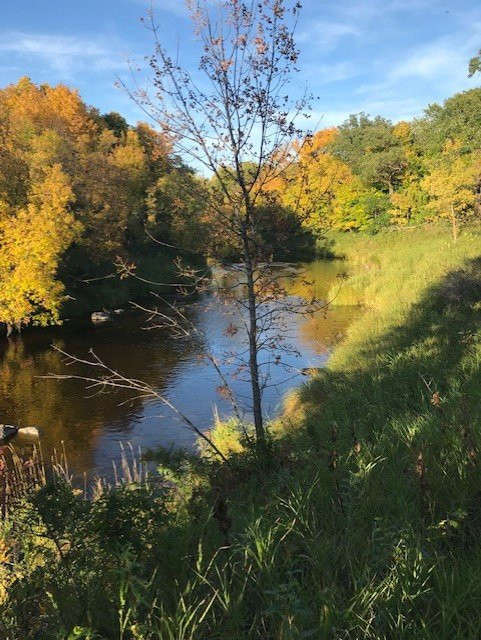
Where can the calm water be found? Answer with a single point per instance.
(91, 425)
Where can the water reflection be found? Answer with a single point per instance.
(91, 425)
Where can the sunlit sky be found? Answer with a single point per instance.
(391, 57)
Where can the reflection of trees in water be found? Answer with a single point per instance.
(323, 333)
(64, 409)
(303, 280)
(315, 279)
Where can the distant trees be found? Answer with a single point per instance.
(125, 182)
(369, 173)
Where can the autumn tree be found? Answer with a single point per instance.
(452, 184)
(234, 120)
(32, 242)
(310, 187)
(117, 174)
(409, 202)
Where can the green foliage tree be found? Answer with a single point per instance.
(116, 123)
(457, 119)
(372, 150)
(475, 64)
(360, 208)
(176, 213)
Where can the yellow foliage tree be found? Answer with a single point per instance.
(452, 185)
(105, 172)
(409, 202)
(311, 190)
(32, 241)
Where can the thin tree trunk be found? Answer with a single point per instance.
(253, 354)
(454, 224)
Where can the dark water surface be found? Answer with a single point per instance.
(91, 425)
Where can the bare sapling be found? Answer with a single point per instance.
(234, 119)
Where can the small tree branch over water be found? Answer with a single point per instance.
(236, 119)
(108, 378)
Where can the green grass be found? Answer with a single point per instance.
(365, 522)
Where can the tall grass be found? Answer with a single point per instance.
(391, 271)
(394, 268)
(364, 521)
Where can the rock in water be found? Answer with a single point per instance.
(28, 431)
(7, 431)
(100, 316)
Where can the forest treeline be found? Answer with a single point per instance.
(81, 192)
(369, 173)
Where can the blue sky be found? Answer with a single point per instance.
(388, 57)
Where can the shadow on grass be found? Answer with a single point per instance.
(385, 487)
(415, 402)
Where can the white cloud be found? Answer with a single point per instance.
(327, 73)
(330, 118)
(446, 58)
(324, 34)
(406, 81)
(363, 20)
(396, 108)
(441, 65)
(360, 19)
(62, 54)
(392, 108)
(361, 12)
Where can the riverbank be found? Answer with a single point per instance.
(363, 523)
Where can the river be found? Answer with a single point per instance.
(90, 426)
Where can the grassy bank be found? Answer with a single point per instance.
(365, 522)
